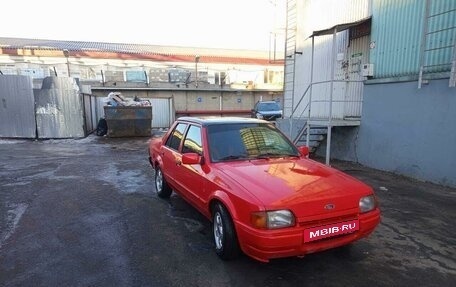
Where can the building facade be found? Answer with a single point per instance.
(104, 63)
(177, 80)
(397, 60)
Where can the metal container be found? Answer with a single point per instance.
(128, 121)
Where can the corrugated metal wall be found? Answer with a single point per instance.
(90, 115)
(322, 72)
(347, 96)
(441, 40)
(59, 109)
(17, 107)
(358, 54)
(397, 30)
(100, 103)
(314, 15)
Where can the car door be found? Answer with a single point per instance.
(191, 177)
(171, 156)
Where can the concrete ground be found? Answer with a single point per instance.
(84, 213)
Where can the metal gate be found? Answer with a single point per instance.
(17, 107)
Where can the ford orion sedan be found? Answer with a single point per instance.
(263, 195)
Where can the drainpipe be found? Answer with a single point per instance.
(221, 100)
(67, 54)
(102, 78)
(333, 63)
(196, 70)
(310, 93)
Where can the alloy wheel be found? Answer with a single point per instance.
(218, 231)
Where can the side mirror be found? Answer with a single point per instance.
(304, 150)
(191, 158)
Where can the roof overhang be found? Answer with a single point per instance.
(339, 28)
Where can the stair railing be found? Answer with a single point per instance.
(308, 105)
(296, 108)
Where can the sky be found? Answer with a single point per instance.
(228, 24)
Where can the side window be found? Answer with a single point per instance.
(175, 138)
(192, 141)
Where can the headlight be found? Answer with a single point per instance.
(259, 116)
(272, 219)
(367, 203)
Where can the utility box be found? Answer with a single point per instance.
(368, 70)
(133, 121)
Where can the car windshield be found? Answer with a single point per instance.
(268, 106)
(248, 141)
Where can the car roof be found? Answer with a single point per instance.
(205, 121)
(267, 102)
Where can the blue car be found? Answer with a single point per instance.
(267, 110)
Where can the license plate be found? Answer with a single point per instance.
(325, 231)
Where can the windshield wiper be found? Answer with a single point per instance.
(267, 155)
(228, 157)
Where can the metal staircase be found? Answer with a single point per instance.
(333, 102)
(316, 126)
(320, 128)
(316, 136)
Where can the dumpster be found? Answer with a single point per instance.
(132, 121)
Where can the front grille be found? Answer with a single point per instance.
(315, 223)
(271, 117)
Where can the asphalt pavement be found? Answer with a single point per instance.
(85, 213)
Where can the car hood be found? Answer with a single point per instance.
(304, 186)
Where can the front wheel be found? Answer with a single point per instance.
(225, 238)
(161, 186)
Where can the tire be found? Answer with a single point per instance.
(161, 186)
(224, 234)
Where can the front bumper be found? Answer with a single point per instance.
(271, 117)
(268, 244)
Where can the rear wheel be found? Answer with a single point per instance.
(225, 238)
(161, 186)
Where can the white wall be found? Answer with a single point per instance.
(314, 15)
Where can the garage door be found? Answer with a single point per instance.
(162, 115)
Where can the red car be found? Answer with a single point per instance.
(262, 193)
